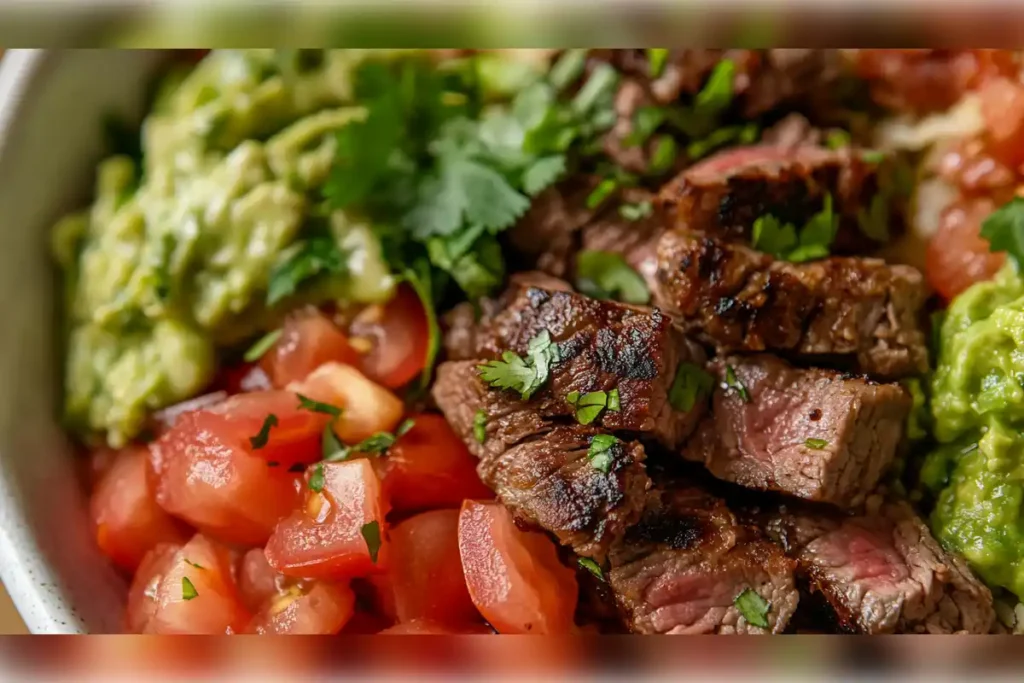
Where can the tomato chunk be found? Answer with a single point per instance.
(426, 570)
(957, 255)
(211, 474)
(142, 601)
(421, 627)
(306, 608)
(257, 580)
(127, 519)
(514, 577)
(196, 592)
(308, 340)
(430, 467)
(1002, 106)
(367, 407)
(399, 337)
(326, 538)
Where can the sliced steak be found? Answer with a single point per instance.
(792, 132)
(815, 434)
(883, 572)
(541, 470)
(635, 240)
(602, 345)
(681, 569)
(858, 310)
(724, 194)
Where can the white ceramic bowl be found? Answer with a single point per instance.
(51, 108)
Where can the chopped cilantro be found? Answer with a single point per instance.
(1004, 229)
(602, 192)
(543, 173)
(194, 564)
(613, 400)
(316, 478)
(331, 447)
(816, 444)
(872, 156)
(310, 259)
(606, 275)
(602, 452)
(306, 403)
(260, 348)
(716, 95)
(645, 121)
(690, 384)
(657, 57)
(371, 534)
(599, 85)
(720, 137)
(590, 405)
(524, 376)
(592, 567)
(567, 69)
(572, 397)
(419, 279)
(634, 212)
(480, 425)
(188, 591)
(663, 156)
(782, 241)
(260, 440)
(734, 382)
(874, 221)
(753, 607)
(772, 236)
(837, 139)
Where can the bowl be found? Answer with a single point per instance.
(52, 107)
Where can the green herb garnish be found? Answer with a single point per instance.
(590, 405)
(260, 440)
(194, 564)
(602, 192)
(753, 607)
(316, 478)
(657, 57)
(524, 376)
(371, 534)
(1004, 229)
(602, 451)
(260, 348)
(592, 567)
(690, 384)
(734, 382)
(837, 139)
(635, 212)
(480, 425)
(188, 591)
(312, 258)
(872, 156)
(782, 241)
(606, 275)
(331, 447)
(816, 444)
(613, 400)
(312, 406)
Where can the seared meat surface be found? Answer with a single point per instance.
(682, 567)
(883, 572)
(861, 311)
(815, 434)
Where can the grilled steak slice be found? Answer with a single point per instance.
(858, 309)
(724, 194)
(602, 345)
(814, 434)
(682, 567)
(541, 470)
(883, 572)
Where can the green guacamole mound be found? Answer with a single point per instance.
(978, 408)
(172, 261)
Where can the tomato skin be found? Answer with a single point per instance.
(141, 596)
(1002, 106)
(125, 515)
(257, 580)
(421, 627)
(208, 474)
(308, 340)
(958, 256)
(216, 607)
(317, 608)
(323, 538)
(514, 577)
(399, 334)
(426, 570)
(430, 467)
(367, 407)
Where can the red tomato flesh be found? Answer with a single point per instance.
(126, 517)
(367, 407)
(399, 336)
(196, 592)
(514, 577)
(142, 601)
(257, 580)
(426, 570)
(308, 340)
(308, 609)
(957, 255)
(324, 539)
(430, 467)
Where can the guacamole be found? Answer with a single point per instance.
(978, 408)
(174, 258)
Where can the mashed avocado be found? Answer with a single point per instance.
(978, 406)
(174, 257)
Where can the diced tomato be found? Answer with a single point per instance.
(98, 464)
(367, 407)
(308, 340)
(432, 628)
(1002, 106)
(430, 467)
(142, 601)
(127, 519)
(399, 335)
(196, 593)
(426, 570)
(257, 580)
(307, 608)
(324, 538)
(210, 473)
(514, 577)
(958, 256)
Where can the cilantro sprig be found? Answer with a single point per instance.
(1004, 229)
(602, 452)
(606, 275)
(523, 375)
(784, 241)
(690, 384)
(753, 607)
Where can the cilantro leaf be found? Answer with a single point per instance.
(598, 89)
(188, 590)
(592, 567)
(194, 564)
(816, 444)
(371, 534)
(1004, 229)
(664, 155)
(480, 425)
(260, 348)
(380, 442)
(313, 257)
(600, 193)
(543, 173)
(590, 405)
(772, 236)
(717, 93)
(316, 478)
(614, 402)
(606, 275)
(478, 271)
(602, 451)
(874, 222)
(306, 403)
(568, 68)
(331, 447)
(837, 138)
(735, 383)
(782, 241)
(260, 440)
(635, 212)
(753, 607)
(690, 384)
(657, 57)
(418, 277)
(645, 121)
(524, 376)
(872, 156)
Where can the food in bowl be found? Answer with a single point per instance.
(449, 342)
